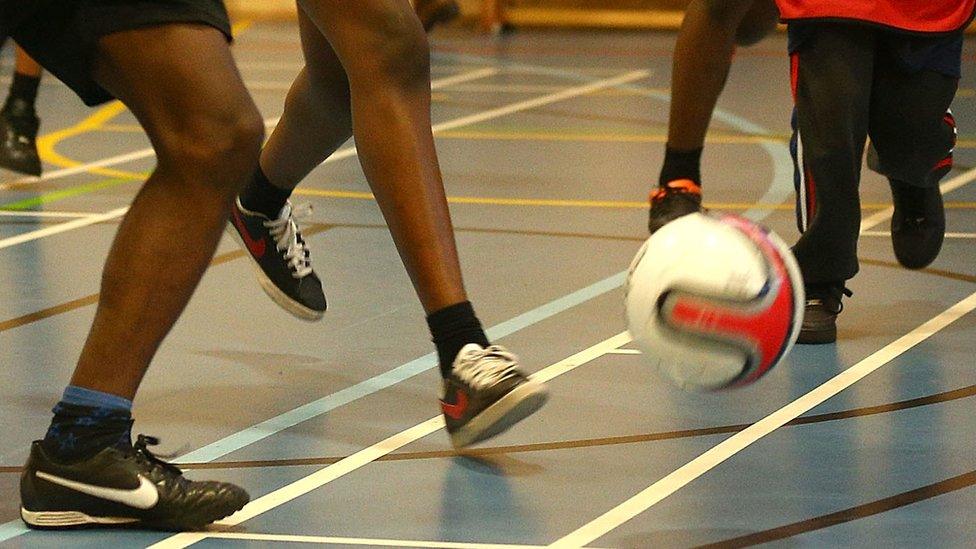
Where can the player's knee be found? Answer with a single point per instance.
(233, 140)
(224, 144)
(403, 55)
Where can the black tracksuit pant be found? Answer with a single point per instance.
(852, 81)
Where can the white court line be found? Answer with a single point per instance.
(368, 455)
(144, 153)
(947, 235)
(372, 542)
(148, 152)
(62, 227)
(568, 93)
(624, 352)
(41, 213)
(511, 108)
(65, 172)
(697, 467)
(948, 185)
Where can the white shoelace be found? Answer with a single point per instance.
(288, 238)
(486, 367)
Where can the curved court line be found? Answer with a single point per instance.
(778, 189)
(504, 110)
(74, 167)
(679, 478)
(858, 512)
(391, 444)
(865, 411)
(367, 455)
(46, 144)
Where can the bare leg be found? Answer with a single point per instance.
(206, 132)
(372, 58)
(388, 93)
(317, 118)
(702, 57)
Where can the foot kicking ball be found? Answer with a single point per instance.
(714, 301)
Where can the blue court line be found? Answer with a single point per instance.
(375, 384)
(12, 529)
(780, 189)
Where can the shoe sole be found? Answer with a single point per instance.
(512, 408)
(280, 298)
(817, 337)
(22, 168)
(54, 520)
(67, 520)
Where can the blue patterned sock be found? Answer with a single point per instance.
(86, 422)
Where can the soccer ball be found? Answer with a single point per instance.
(714, 301)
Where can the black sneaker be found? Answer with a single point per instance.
(486, 394)
(18, 135)
(436, 12)
(918, 224)
(820, 314)
(121, 486)
(673, 200)
(282, 260)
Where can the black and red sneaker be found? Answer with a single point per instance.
(485, 394)
(672, 200)
(281, 260)
(120, 486)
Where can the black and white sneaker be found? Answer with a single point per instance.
(121, 486)
(281, 258)
(485, 394)
(18, 138)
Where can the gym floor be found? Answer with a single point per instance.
(549, 143)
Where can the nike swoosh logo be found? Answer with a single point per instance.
(256, 247)
(455, 411)
(143, 497)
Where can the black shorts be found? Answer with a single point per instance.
(910, 52)
(62, 35)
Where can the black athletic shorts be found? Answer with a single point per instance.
(912, 52)
(62, 35)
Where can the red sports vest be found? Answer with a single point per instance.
(909, 15)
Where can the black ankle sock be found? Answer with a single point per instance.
(452, 328)
(23, 89)
(259, 195)
(79, 432)
(681, 165)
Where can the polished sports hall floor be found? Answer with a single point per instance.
(549, 142)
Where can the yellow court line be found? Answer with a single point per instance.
(602, 137)
(609, 204)
(46, 144)
(712, 137)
